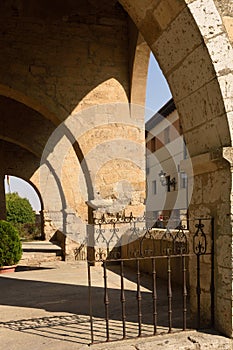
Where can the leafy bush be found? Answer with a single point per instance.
(29, 232)
(10, 244)
(19, 210)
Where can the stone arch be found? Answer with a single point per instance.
(21, 163)
(199, 76)
(34, 186)
(23, 136)
(139, 61)
(17, 160)
(53, 60)
(31, 183)
(40, 214)
(190, 42)
(182, 43)
(24, 126)
(18, 96)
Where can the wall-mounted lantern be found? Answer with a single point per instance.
(167, 181)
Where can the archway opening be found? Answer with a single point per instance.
(168, 197)
(24, 208)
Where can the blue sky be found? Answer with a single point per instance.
(24, 190)
(158, 93)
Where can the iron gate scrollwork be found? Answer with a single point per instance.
(151, 246)
(109, 232)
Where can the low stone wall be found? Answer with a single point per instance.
(154, 246)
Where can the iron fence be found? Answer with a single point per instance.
(148, 249)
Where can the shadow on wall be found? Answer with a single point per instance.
(60, 239)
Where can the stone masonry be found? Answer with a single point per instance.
(61, 59)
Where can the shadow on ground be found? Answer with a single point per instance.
(21, 268)
(68, 306)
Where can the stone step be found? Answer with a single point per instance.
(38, 252)
(40, 246)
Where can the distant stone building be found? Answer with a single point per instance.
(167, 190)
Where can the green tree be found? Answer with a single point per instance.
(19, 210)
(10, 244)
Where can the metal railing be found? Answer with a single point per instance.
(174, 245)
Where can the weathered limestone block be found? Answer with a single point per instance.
(226, 85)
(210, 105)
(221, 52)
(208, 19)
(194, 72)
(49, 227)
(167, 11)
(228, 22)
(224, 6)
(168, 48)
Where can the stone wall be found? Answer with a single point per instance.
(111, 173)
(191, 41)
(52, 61)
(59, 60)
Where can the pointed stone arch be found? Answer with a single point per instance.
(191, 44)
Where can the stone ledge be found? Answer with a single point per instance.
(42, 246)
(204, 163)
(190, 340)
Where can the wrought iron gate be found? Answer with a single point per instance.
(153, 255)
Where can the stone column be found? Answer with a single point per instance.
(212, 198)
(224, 244)
(2, 198)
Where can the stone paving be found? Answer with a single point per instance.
(47, 307)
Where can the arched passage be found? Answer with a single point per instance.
(24, 149)
(191, 44)
(52, 57)
(18, 96)
(176, 40)
(26, 189)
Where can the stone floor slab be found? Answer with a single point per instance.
(47, 307)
